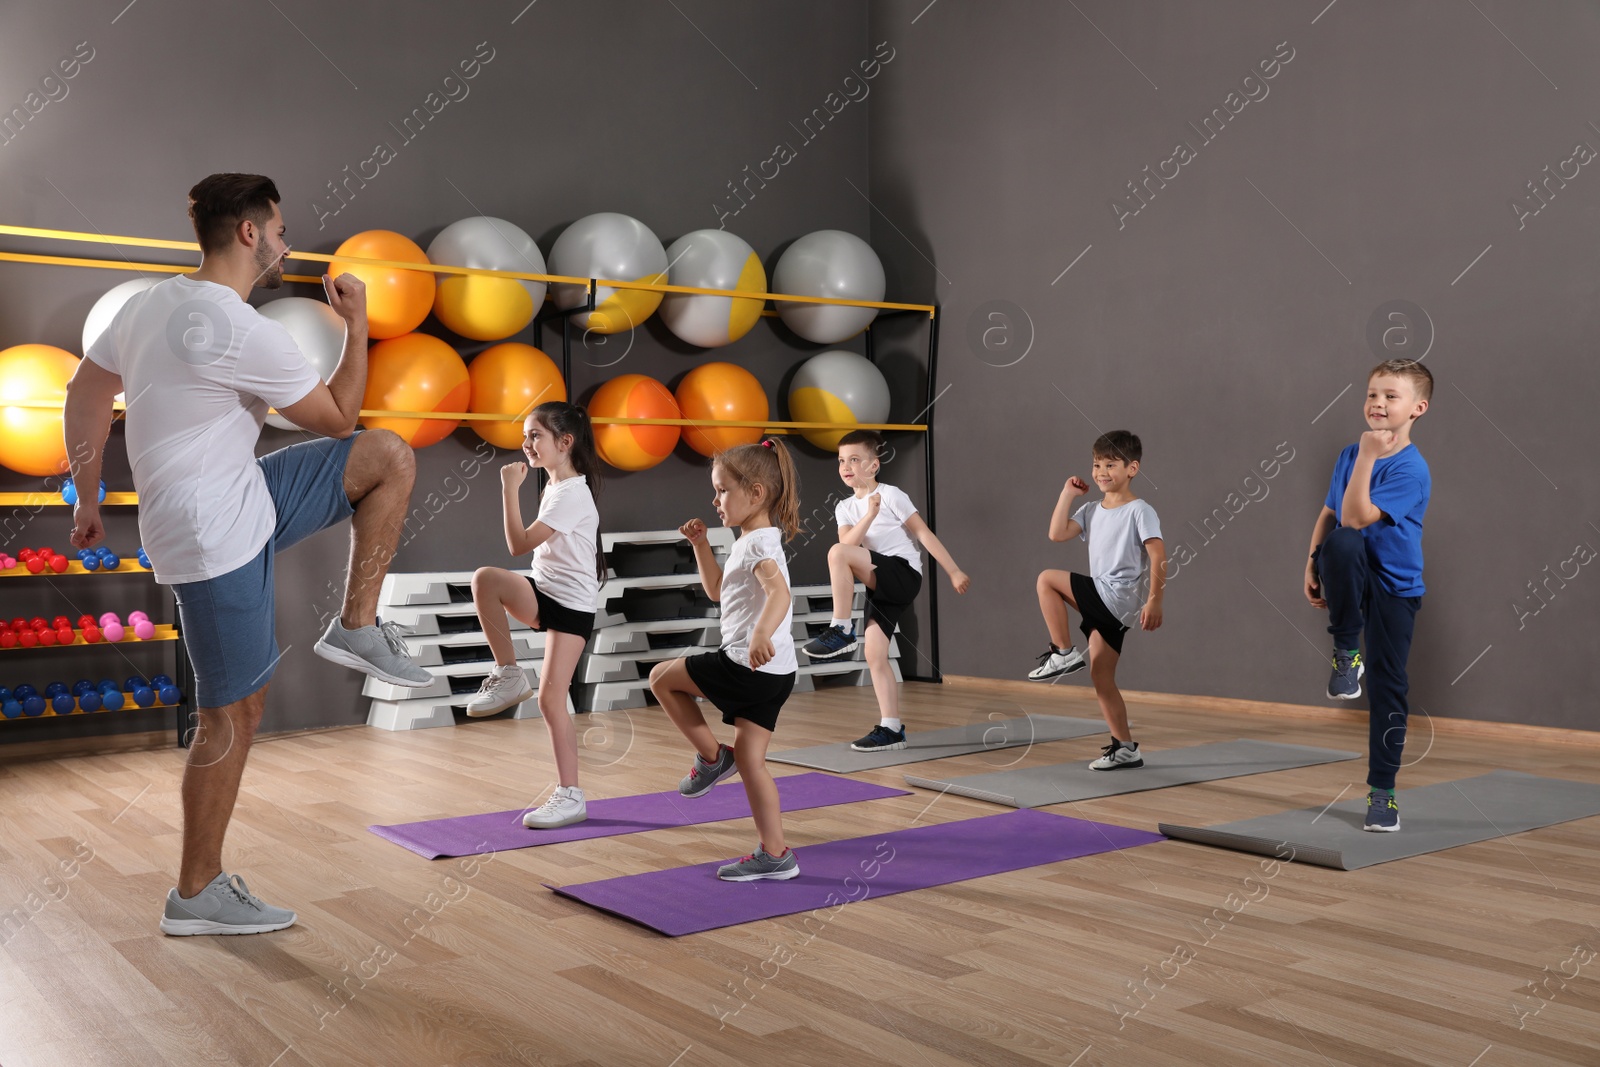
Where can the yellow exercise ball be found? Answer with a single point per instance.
(482, 308)
(511, 379)
(32, 440)
(612, 247)
(397, 300)
(721, 392)
(634, 396)
(841, 387)
(415, 373)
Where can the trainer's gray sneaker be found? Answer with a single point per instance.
(759, 866)
(376, 650)
(225, 906)
(704, 775)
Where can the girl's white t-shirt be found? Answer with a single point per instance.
(743, 601)
(887, 535)
(564, 566)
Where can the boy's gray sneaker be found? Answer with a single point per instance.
(225, 906)
(759, 866)
(1345, 683)
(702, 776)
(376, 650)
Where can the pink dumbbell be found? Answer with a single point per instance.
(113, 631)
(108, 618)
(135, 616)
(144, 630)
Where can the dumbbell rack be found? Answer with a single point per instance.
(445, 640)
(614, 672)
(183, 674)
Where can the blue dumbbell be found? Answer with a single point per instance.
(135, 681)
(169, 694)
(63, 703)
(55, 687)
(24, 691)
(159, 680)
(91, 562)
(82, 686)
(5, 694)
(89, 701)
(112, 699)
(105, 683)
(110, 562)
(34, 705)
(10, 709)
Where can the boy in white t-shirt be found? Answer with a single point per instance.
(1126, 558)
(879, 536)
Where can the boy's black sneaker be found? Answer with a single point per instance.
(830, 644)
(881, 739)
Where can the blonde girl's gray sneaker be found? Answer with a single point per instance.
(225, 906)
(759, 866)
(702, 776)
(376, 650)
(564, 807)
(505, 687)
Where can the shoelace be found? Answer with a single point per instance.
(242, 891)
(394, 634)
(1112, 747)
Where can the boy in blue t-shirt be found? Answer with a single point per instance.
(1366, 568)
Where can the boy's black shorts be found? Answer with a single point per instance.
(898, 584)
(1096, 616)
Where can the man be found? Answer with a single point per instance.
(200, 368)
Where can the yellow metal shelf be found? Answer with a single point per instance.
(45, 500)
(163, 633)
(77, 709)
(75, 567)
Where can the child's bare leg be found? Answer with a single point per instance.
(495, 592)
(883, 683)
(672, 686)
(1055, 593)
(1103, 670)
(750, 755)
(561, 652)
(848, 564)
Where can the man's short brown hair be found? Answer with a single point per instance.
(219, 203)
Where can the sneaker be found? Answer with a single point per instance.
(758, 866)
(1383, 814)
(375, 650)
(705, 775)
(226, 906)
(505, 687)
(1118, 756)
(1055, 663)
(881, 739)
(830, 644)
(1345, 684)
(564, 807)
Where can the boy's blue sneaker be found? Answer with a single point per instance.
(1383, 814)
(1345, 684)
(881, 739)
(830, 644)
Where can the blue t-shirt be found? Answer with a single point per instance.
(1400, 488)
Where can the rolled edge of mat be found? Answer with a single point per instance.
(1260, 846)
(964, 791)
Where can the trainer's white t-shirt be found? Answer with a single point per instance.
(564, 566)
(200, 367)
(743, 600)
(1118, 559)
(887, 535)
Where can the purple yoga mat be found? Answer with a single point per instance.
(688, 900)
(499, 831)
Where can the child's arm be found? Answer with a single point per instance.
(772, 612)
(519, 539)
(924, 534)
(1150, 614)
(1062, 525)
(705, 560)
(854, 535)
(1357, 509)
(1319, 532)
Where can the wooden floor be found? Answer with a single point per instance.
(396, 960)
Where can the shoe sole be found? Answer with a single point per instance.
(1118, 766)
(1382, 829)
(733, 768)
(483, 713)
(1080, 665)
(569, 821)
(851, 647)
(878, 748)
(349, 659)
(196, 927)
(777, 876)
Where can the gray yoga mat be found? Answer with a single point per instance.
(1035, 787)
(987, 736)
(1432, 818)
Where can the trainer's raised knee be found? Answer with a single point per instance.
(398, 457)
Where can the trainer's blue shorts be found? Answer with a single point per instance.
(229, 623)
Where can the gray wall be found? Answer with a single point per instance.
(585, 107)
(1221, 320)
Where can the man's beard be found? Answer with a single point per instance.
(271, 267)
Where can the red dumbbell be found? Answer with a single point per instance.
(38, 622)
(59, 564)
(47, 638)
(35, 565)
(26, 554)
(86, 621)
(60, 621)
(8, 639)
(28, 638)
(92, 635)
(65, 636)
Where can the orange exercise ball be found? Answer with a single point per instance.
(31, 439)
(511, 379)
(397, 300)
(416, 373)
(634, 396)
(718, 392)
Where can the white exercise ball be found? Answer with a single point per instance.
(828, 263)
(105, 309)
(609, 245)
(318, 332)
(838, 387)
(712, 259)
(486, 309)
